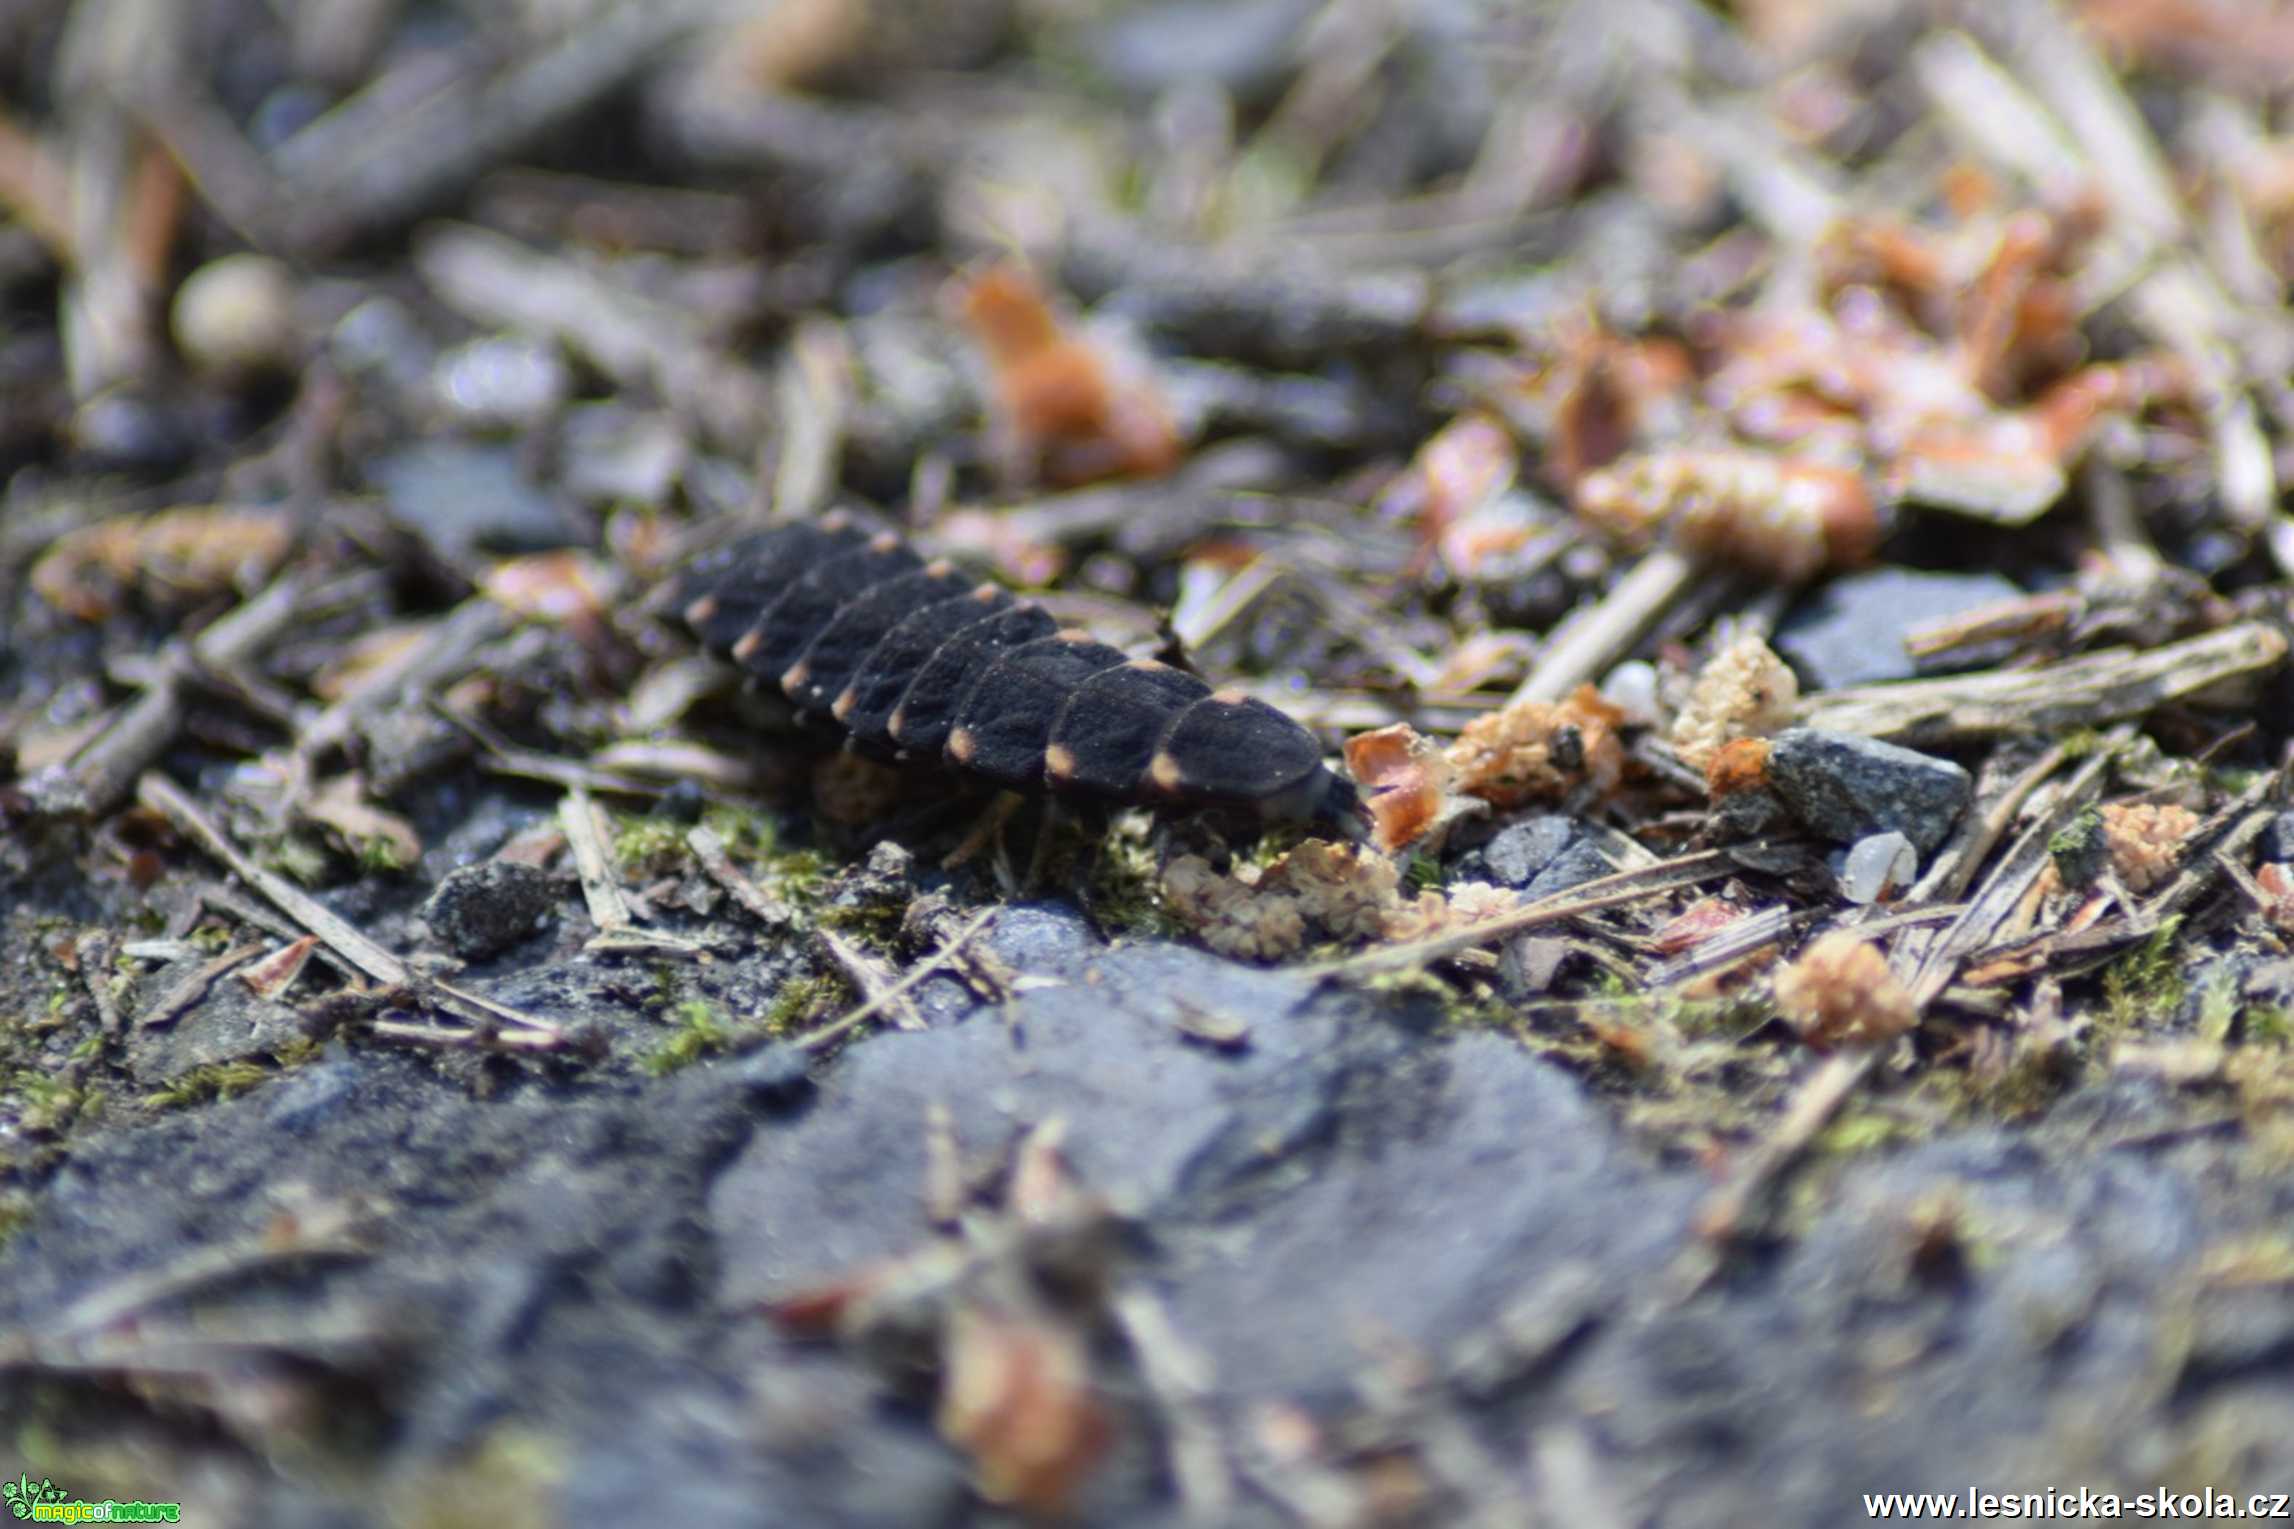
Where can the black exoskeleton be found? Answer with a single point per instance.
(915, 661)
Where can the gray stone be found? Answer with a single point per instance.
(461, 499)
(1043, 939)
(1573, 867)
(1851, 632)
(1240, 45)
(2278, 838)
(308, 1097)
(482, 910)
(509, 381)
(228, 1024)
(777, 1075)
(1426, 1219)
(1518, 852)
(1157, 1119)
(1844, 787)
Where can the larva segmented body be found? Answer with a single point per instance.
(915, 661)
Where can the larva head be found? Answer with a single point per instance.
(1325, 800)
(1228, 750)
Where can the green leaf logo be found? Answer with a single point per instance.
(22, 1495)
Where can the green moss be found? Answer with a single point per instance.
(2147, 983)
(1126, 895)
(1278, 840)
(1857, 1132)
(50, 1104)
(801, 1003)
(300, 856)
(217, 1080)
(1423, 873)
(647, 846)
(297, 1050)
(2266, 1259)
(701, 1031)
(874, 919)
(2266, 1025)
(796, 877)
(15, 1210)
(2218, 1006)
(745, 830)
(508, 1482)
(2031, 1081)
(379, 855)
(2080, 848)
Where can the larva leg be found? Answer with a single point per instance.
(988, 830)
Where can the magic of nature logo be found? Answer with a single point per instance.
(44, 1502)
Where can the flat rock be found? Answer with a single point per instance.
(1851, 632)
(1845, 788)
(1157, 1119)
(1351, 1183)
(227, 1023)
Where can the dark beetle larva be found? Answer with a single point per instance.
(915, 661)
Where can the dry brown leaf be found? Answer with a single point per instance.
(276, 972)
(1406, 781)
(1534, 752)
(1067, 412)
(176, 555)
(1016, 1396)
(341, 805)
(566, 588)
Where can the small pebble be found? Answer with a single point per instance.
(1845, 787)
(460, 497)
(380, 338)
(1240, 45)
(1516, 853)
(2278, 838)
(482, 910)
(122, 429)
(683, 801)
(236, 317)
(1851, 632)
(615, 454)
(1878, 868)
(778, 1074)
(1573, 867)
(1632, 688)
(502, 380)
